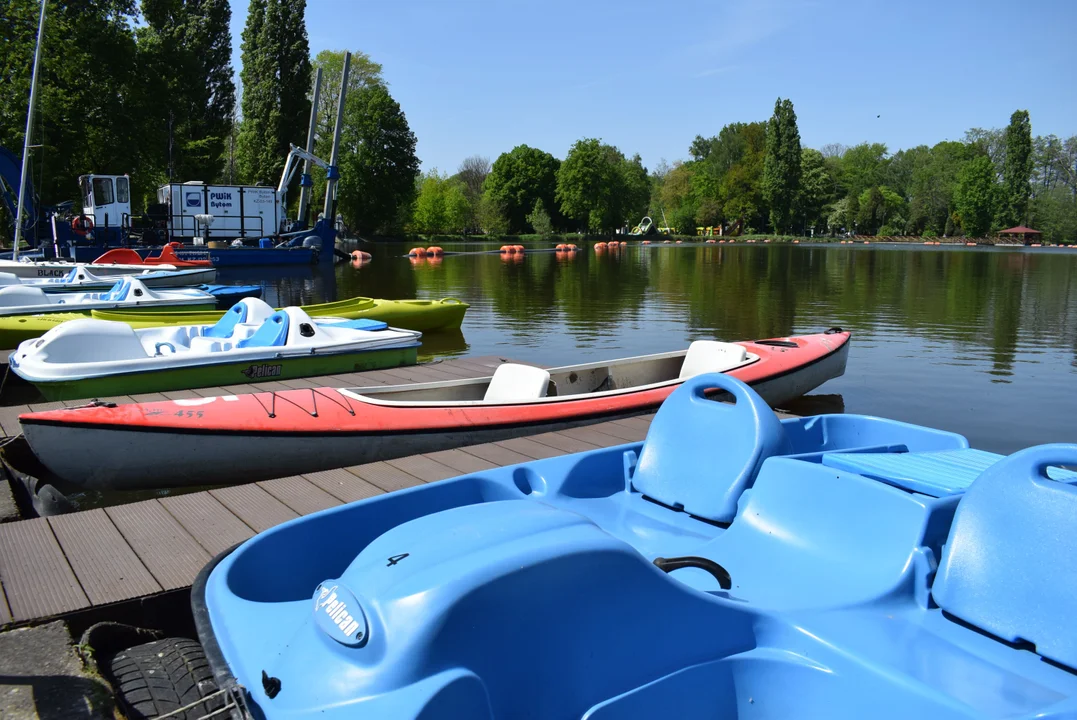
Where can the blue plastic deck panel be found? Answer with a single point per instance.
(937, 474)
(529, 591)
(358, 324)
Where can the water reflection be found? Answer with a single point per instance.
(981, 341)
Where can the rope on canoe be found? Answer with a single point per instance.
(271, 411)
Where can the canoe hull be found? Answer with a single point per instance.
(229, 373)
(263, 440)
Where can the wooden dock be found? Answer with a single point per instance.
(57, 566)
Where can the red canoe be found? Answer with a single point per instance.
(243, 438)
(167, 256)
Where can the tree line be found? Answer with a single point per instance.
(756, 177)
(146, 88)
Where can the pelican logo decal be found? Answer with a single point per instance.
(262, 371)
(338, 614)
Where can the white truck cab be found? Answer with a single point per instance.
(106, 199)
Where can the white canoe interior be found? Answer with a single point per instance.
(251, 330)
(127, 291)
(522, 384)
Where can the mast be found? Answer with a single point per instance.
(305, 182)
(29, 127)
(332, 173)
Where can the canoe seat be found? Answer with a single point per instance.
(1008, 566)
(707, 356)
(512, 383)
(272, 333)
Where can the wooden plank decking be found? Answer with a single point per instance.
(50, 567)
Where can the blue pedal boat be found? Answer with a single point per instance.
(730, 566)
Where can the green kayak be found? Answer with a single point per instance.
(422, 315)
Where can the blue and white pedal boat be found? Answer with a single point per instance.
(730, 566)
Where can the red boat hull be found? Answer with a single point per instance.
(277, 433)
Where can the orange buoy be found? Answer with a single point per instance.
(796, 242)
(645, 242)
(417, 252)
(710, 241)
(938, 243)
(722, 242)
(434, 251)
(506, 250)
(360, 256)
(679, 242)
(561, 247)
(667, 242)
(867, 242)
(600, 246)
(571, 247)
(518, 248)
(970, 244)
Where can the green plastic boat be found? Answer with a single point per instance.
(421, 315)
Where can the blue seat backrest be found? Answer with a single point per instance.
(118, 291)
(273, 333)
(1009, 565)
(700, 454)
(227, 324)
(358, 324)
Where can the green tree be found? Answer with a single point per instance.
(539, 219)
(491, 216)
(517, 179)
(429, 215)
(276, 86)
(863, 166)
(362, 72)
(601, 189)
(378, 166)
(91, 95)
(880, 212)
(932, 185)
(1016, 170)
(185, 54)
(781, 165)
(975, 196)
(817, 190)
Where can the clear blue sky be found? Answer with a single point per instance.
(482, 76)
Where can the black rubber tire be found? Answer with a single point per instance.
(163, 676)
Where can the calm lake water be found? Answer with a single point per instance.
(978, 341)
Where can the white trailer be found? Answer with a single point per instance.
(237, 211)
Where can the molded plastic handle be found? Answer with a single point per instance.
(158, 346)
(451, 301)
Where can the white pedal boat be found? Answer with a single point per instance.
(126, 293)
(252, 342)
(47, 269)
(82, 277)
